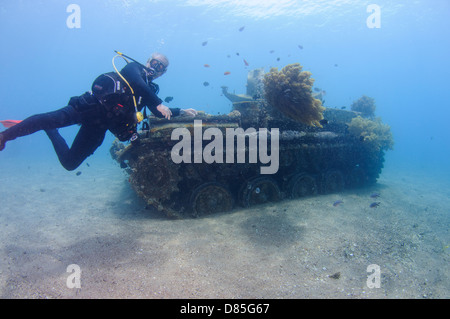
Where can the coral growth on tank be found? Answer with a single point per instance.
(365, 105)
(290, 91)
(373, 132)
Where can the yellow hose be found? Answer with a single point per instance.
(139, 115)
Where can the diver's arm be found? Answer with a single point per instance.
(188, 112)
(164, 111)
(132, 72)
(168, 112)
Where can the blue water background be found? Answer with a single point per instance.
(404, 65)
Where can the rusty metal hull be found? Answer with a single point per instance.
(312, 161)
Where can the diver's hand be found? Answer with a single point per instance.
(189, 112)
(165, 111)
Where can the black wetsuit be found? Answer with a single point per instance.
(95, 118)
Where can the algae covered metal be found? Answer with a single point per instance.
(192, 167)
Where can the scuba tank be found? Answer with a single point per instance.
(110, 86)
(114, 92)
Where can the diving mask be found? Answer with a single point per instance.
(155, 67)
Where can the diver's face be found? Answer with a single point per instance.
(156, 67)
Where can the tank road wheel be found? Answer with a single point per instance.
(333, 182)
(155, 178)
(159, 176)
(259, 190)
(210, 198)
(301, 185)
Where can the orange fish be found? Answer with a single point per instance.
(246, 63)
(206, 65)
(9, 123)
(226, 73)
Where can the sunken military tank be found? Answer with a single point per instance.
(278, 142)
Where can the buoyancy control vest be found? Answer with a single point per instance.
(116, 97)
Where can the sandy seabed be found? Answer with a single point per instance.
(50, 219)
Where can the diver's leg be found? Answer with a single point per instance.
(2, 142)
(45, 121)
(88, 139)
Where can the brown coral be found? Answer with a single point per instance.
(290, 91)
(365, 105)
(376, 134)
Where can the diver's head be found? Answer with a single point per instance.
(157, 65)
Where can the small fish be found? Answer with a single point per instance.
(168, 99)
(374, 204)
(300, 47)
(204, 43)
(241, 29)
(237, 53)
(226, 73)
(271, 51)
(88, 164)
(78, 173)
(245, 62)
(278, 59)
(375, 195)
(228, 56)
(335, 275)
(343, 107)
(317, 89)
(205, 83)
(323, 122)
(335, 65)
(336, 203)
(206, 65)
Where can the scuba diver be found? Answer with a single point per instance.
(115, 104)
